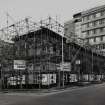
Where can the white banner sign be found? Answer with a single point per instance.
(20, 64)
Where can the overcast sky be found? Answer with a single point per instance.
(40, 9)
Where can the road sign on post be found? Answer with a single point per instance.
(66, 66)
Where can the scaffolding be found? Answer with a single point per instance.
(25, 28)
(28, 25)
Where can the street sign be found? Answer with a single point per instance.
(66, 66)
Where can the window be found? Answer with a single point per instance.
(101, 29)
(87, 40)
(100, 21)
(91, 40)
(66, 29)
(104, 29)
(98, 30)
(84, 26)
(94, 16)
(84, 19)
(90, 32)
(51, 50)
(103, 46)
(101, 38)
(38, 51)
(90, 16)
(100, 46)
(94, 31)
(87, 25)
(103, 21)
(102, 13)
(98, 39)
(98, 15)
(87, 17)
(87, 32)
(84, 34)
(95, 39)
(90, 24)
(95, 23)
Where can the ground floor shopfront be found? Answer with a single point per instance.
(48, 79)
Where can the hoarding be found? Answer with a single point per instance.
(31, 79)
(16, 80)
(20, 64)
(85, 77)
(48, 79)
(73, 78)
(77, 62)
(45, 79)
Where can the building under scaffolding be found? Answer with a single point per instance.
(42, 58)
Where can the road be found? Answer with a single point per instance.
(91, 95)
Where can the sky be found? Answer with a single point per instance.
(40, 9)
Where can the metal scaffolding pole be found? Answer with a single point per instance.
(62, 62)
(92, 61)
(2, 78)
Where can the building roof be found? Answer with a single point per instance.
(85, 48)
(42, 31)
(95, 9)
(77, 15)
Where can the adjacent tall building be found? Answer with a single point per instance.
(72, 28)
(90, 26)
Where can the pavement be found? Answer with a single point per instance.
(37, 92)
(49, 90)
(41, 92)
(87, 95)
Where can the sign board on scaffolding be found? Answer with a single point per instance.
(65, 67)
(19, 64)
